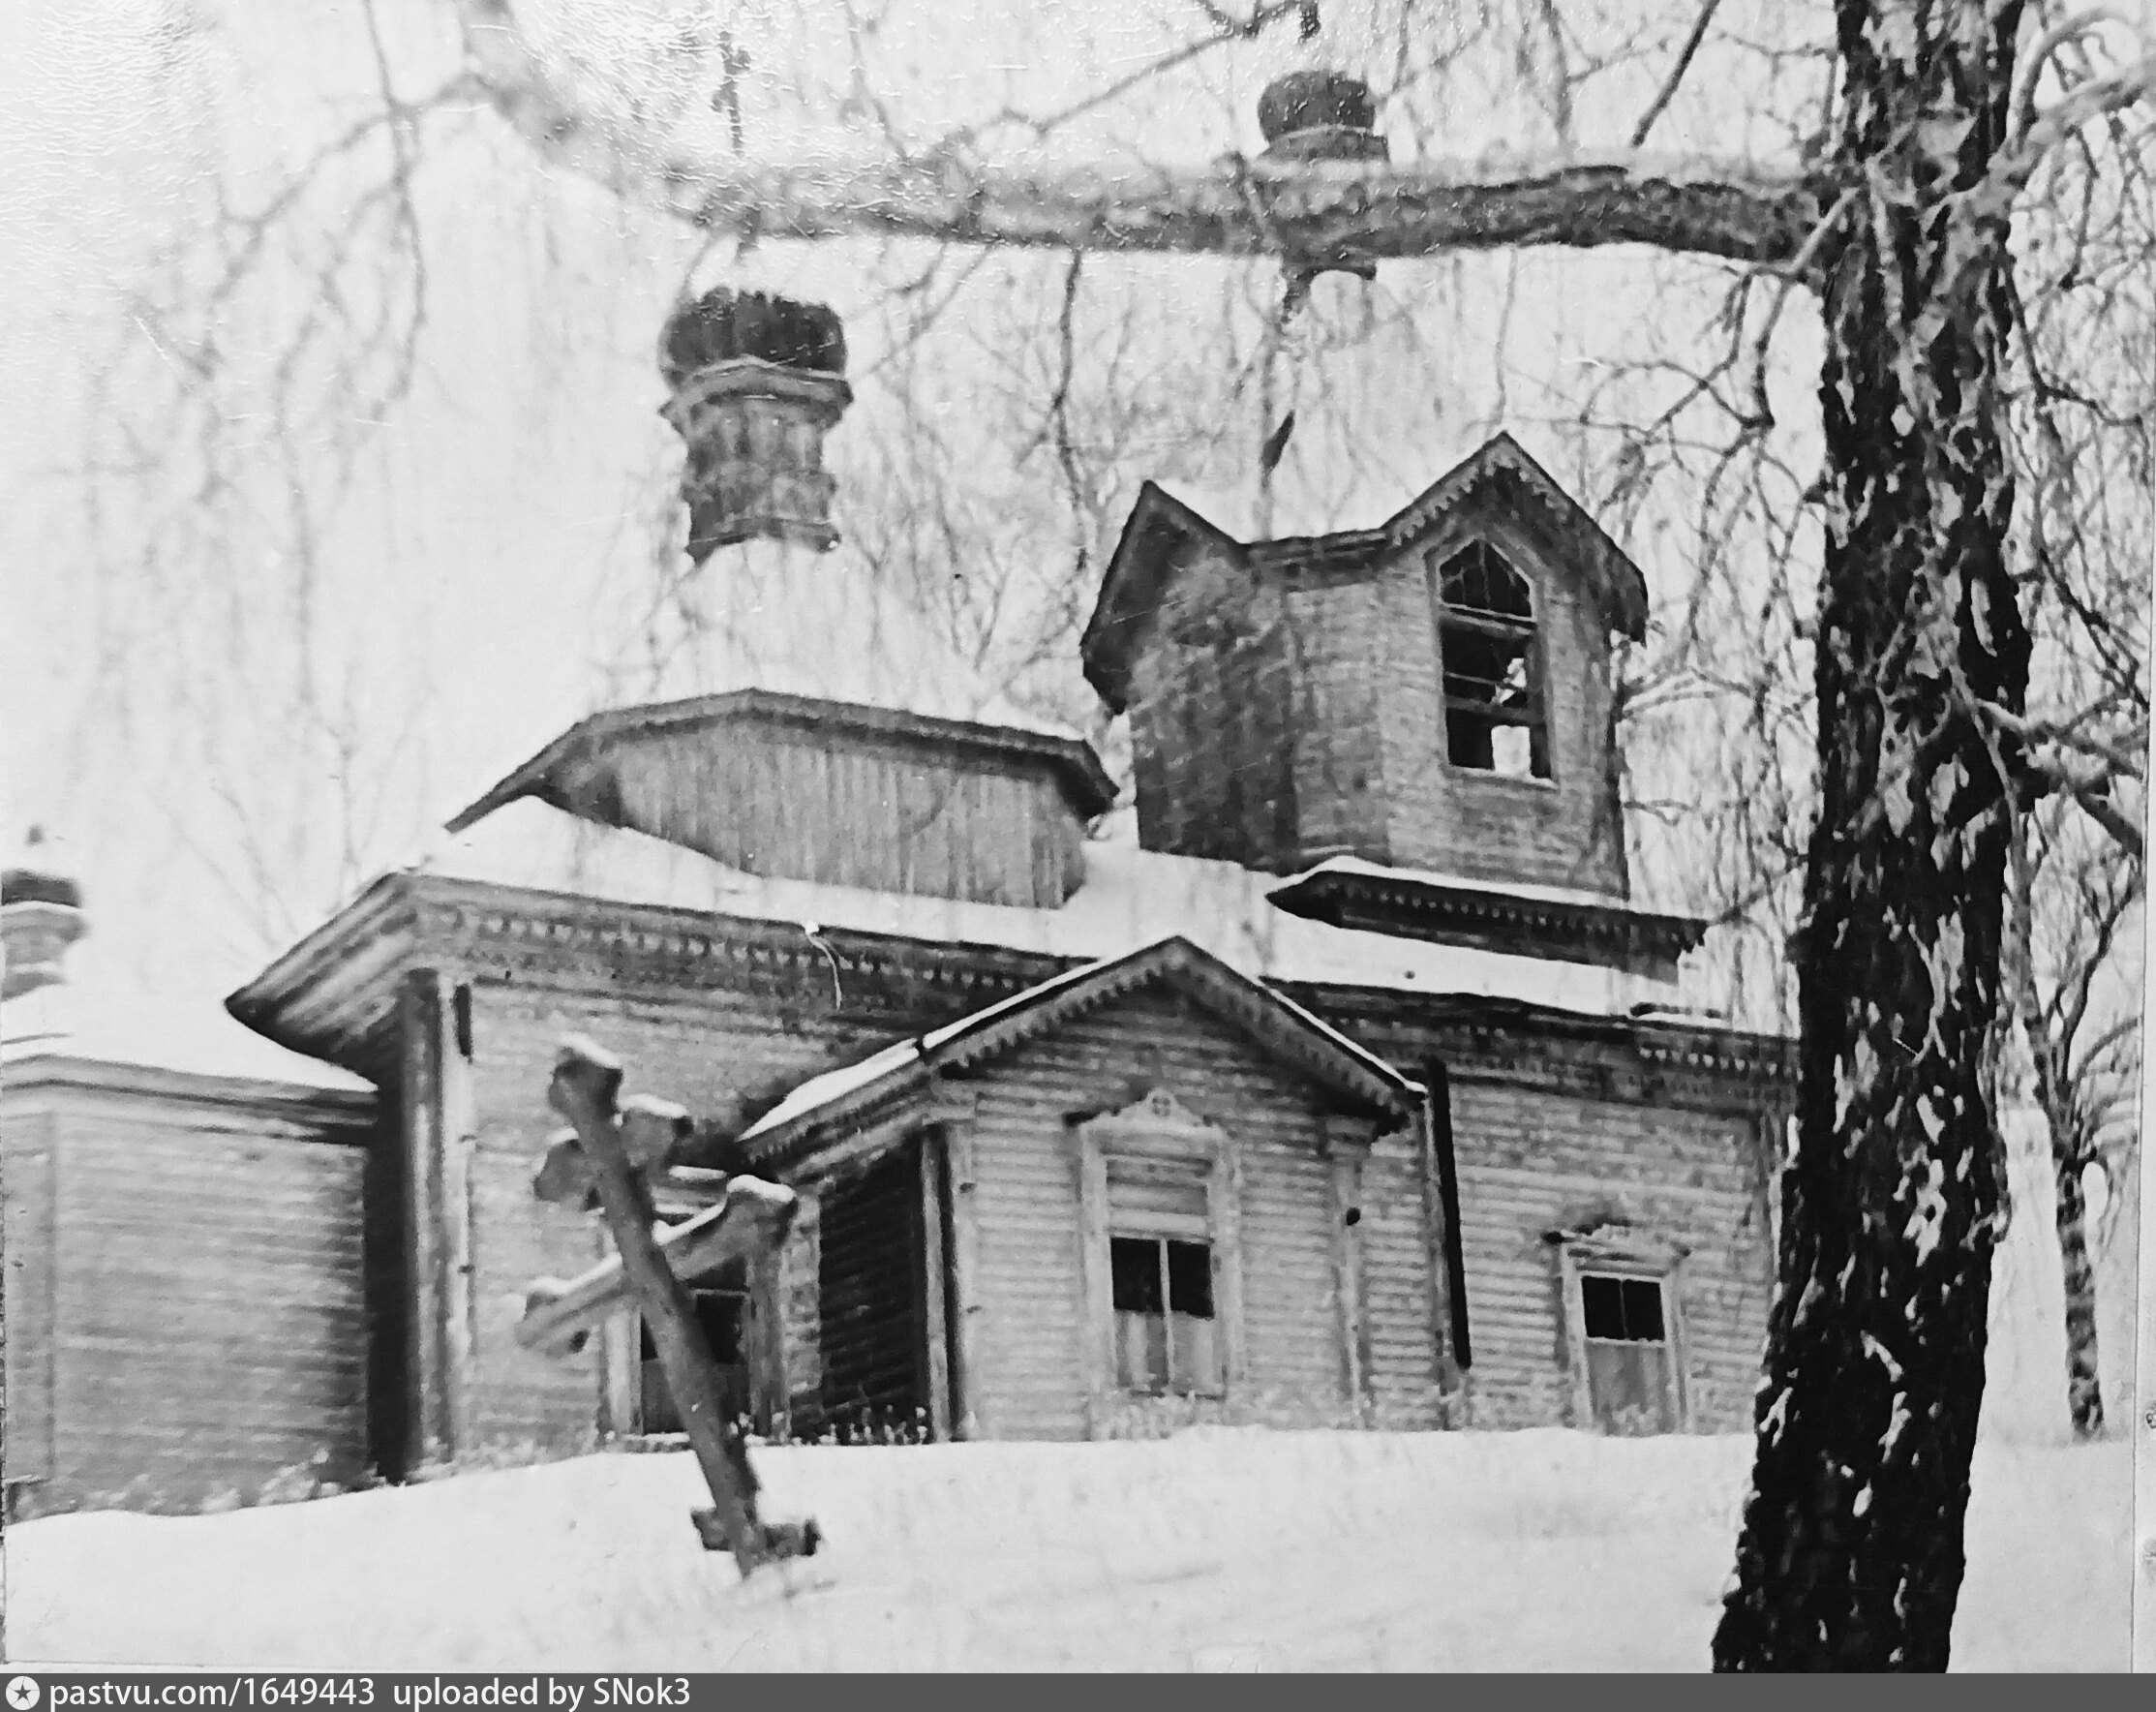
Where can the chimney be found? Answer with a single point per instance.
(757, 382)
(40, 915)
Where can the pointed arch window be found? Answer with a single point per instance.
(1495, 721)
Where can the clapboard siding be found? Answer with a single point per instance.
(208, 1326)
(1029, 1376)
(709, 1053)
(1397, 1257)
(852, 810)
(28, 1163)
(1292, 1311)
(726, 1052)
(1530, 1162)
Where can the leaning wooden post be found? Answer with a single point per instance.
(586, 1088)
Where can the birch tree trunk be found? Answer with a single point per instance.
(2085, 1392)
(1850, 1556)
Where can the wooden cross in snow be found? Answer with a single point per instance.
(614, 1149)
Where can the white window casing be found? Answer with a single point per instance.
(1613, 1262)
(1155, 1169)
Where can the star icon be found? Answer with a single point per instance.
(22, 1693)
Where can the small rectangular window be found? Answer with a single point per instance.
(1630, 1371)
(1166, 1333)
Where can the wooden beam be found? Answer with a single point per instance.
(460, 1140)
(586, 1087)
(429, 1433)
(769, 1405)
(965, 1303)
(1448, 1260)
(1345, 1173)
(752, 1219)
(934, 1284)
(1235, 205)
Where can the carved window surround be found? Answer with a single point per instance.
(1158, 1128)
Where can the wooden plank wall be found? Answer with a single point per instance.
(28, 1146)
(1028, 1379)
(1530, 1162)
(800, 1317)
(850, 810)
(703, 1051)
(870, 1311)
(1397, 1254)
(1555, 832)
(209, 1311)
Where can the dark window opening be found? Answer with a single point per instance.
(1167, 1340)
(1493, 691)
(1630, 1369)
(1625, 1310)
(720, 1314)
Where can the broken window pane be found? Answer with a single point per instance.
(1478, 579)
(1493, 694)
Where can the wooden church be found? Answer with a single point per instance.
(1332, 1080)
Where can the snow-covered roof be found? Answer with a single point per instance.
(1147, 560)
(67, 1023)
(1130, 898)
(998, 1026)
(1523, 889)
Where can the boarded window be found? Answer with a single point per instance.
(1630, 1371)
(1161, 1274)
(1492, 678)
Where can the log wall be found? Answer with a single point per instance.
(203, 1333)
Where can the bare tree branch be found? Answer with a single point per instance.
(1231, 206)
(1676, 73)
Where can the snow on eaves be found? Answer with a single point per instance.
(1521, 889)
(1130, 898)
(835, 1085)
(69, 1024)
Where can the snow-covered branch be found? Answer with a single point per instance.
(1229, 206)
(2089, 99)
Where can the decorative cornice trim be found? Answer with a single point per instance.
(328, 994)
(1610, 933)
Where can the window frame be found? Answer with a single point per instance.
(1160, 1131)
(1625, 1254)
(1536, 721)
(1124, 1229)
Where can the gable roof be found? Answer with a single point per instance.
(1164, 533)
(855, 1094)
(547, 775)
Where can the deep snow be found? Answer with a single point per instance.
(1217, 1549)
